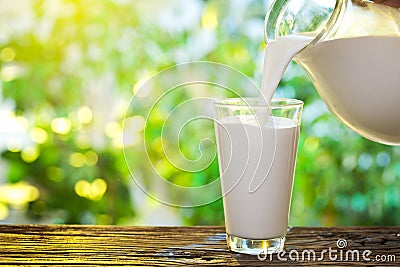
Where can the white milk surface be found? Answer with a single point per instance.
(257, 168)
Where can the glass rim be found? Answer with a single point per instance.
(246, 102)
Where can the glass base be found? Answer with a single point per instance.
(255, 246)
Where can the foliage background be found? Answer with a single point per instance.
(67, 72)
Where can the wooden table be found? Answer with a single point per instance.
(199, 246)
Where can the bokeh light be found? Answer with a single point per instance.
(113, 129)
(134, 124)
(85, 115)
(311, 144)
(10, 72)
(210, 19)
(91, 158)
(30, 154)
(61, 125)
(7, 54)
(18, 194)
(77, 160)
(38, 135)
(92, 191)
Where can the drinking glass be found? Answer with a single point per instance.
(257, 147)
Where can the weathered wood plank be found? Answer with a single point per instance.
(199, 246)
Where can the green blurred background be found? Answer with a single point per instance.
(68, 70)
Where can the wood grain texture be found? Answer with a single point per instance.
(172, 246)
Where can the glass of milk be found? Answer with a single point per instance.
(257, 147)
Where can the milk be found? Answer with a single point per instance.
(359, 80)
(257, 167)
(277, 57)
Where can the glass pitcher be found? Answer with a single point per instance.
(353, 59)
